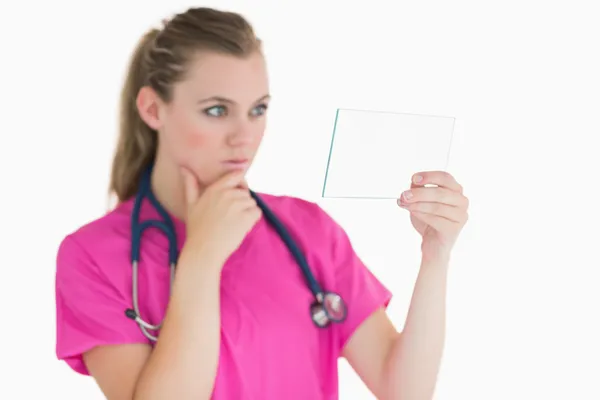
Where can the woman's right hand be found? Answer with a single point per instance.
(218, 219)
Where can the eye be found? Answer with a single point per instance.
(259, 110)
(216, 111)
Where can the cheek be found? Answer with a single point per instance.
(194, 138)
(190, 135)
(196, 149)
(259, 134)
(187, 142)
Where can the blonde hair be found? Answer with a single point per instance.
(159, 61)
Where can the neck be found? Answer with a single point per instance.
(167, 186)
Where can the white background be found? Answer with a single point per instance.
(374, 153)
(520, 77)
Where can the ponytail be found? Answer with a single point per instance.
(137, 142)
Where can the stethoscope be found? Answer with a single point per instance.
(328, 306)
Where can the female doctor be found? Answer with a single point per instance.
(236, 322)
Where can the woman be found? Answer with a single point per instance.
(236, 324)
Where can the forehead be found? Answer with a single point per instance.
(239, 79)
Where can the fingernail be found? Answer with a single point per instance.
(407, 195)
(418, 178)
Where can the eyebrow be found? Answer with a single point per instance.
(229, 101)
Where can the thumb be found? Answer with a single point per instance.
(190, 186)
(244, 184)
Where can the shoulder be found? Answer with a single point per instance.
(106, 236)
(298, 212)
(92, 288)
(309, 224)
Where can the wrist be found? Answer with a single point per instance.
(437, 262)
(201, 256)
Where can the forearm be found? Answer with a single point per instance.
(184, 361)
(414, 360)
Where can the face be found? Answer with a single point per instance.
(217, 116)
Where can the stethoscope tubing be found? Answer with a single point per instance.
(319, 310)
(283, 233)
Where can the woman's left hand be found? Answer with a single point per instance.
(438, 213)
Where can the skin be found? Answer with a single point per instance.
(200, 134)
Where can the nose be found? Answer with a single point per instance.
(242, 134)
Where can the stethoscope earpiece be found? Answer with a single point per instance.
(131, 314)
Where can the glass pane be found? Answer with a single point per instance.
(374, 154)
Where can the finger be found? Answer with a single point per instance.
(246, 208)
(190, 186)
(439, 224)
(230, 180)
(437, 178)
(434, 195)
(243, 184)
(251, 205)
(252, 216)
(253, 210)
(450, 213)
(239, 198)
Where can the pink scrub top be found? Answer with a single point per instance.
(270, 348)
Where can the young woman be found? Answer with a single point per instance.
(236, 320)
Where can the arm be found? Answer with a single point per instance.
(404, 366)
(184, 361)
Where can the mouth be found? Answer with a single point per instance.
(237, 163)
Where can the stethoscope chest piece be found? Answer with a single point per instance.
(330, 307)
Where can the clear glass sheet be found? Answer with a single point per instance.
(374, 154)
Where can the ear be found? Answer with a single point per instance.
(148, 103)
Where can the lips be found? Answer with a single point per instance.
(237, 161)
